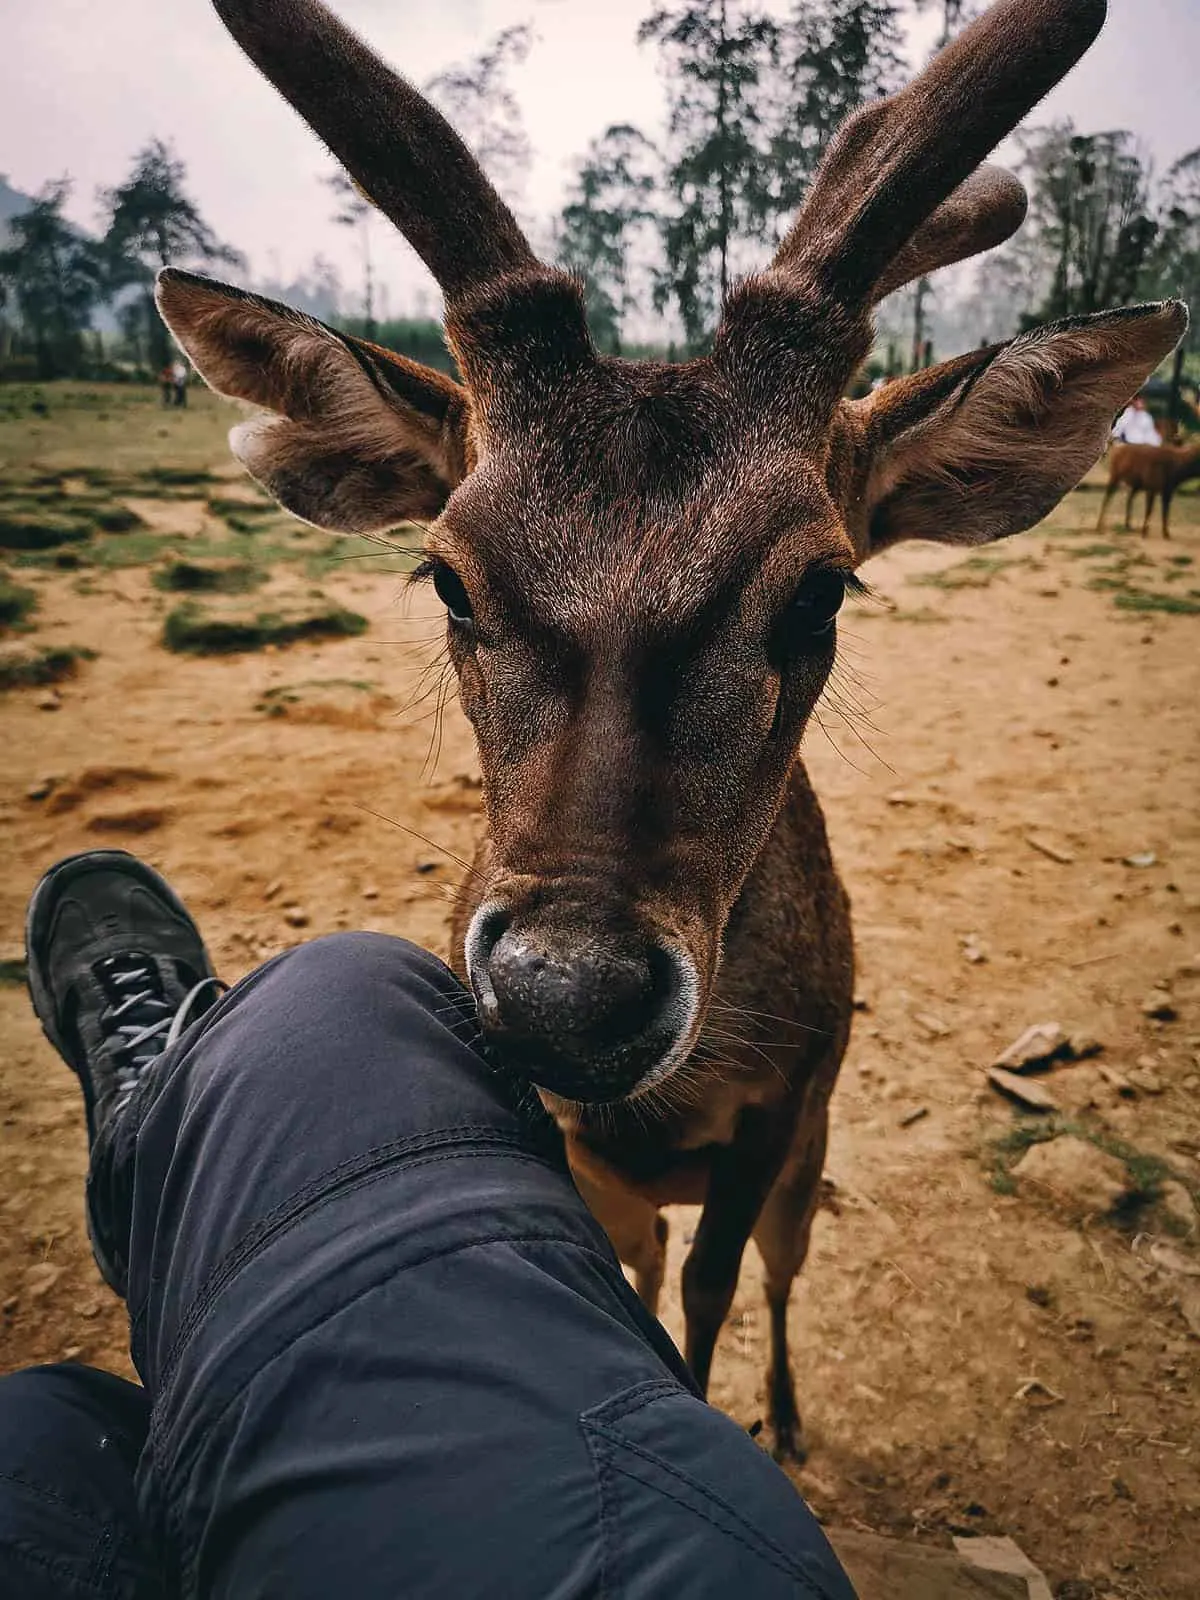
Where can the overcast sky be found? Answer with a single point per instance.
(84, 84)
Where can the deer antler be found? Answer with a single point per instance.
(401, 151)
(895, 196)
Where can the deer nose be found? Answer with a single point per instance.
(586, 1018)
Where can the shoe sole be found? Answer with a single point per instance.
(41, 911)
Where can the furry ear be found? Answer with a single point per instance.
(360, 439)
(985, 445)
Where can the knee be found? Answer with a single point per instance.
(346, 963)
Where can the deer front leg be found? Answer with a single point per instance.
(1108, 494)
(1151, 496)
(636, 1227)
(1166, 511)
(740, 1178)
(782, 1235)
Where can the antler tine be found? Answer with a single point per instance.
(404, 155)
(982, 212)
(896, 161)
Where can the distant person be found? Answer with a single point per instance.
(179, 381)
(166, 384)
(1135, 425)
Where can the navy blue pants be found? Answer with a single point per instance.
(386, 1351)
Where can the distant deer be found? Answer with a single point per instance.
(1157, 469)
(642, 566)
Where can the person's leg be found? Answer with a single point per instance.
(388, 1349)
(70, 1438)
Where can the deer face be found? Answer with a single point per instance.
(641, 564)
(641, 611)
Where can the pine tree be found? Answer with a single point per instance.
(610, 203)
(52, 276)
(715, 55)
(152, 223)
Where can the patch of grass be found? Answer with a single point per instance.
(1086, 552)
(35, 671)
(1146, 1173)
(40, 530)
(1187, 605)
(115, 519)
(190, 631)
(13, 969)
(916, 614)
(1179, 561)
(16, 603)
(193, 577)
(140, 549)
(274, 702)
(176, 477)
(976, 572)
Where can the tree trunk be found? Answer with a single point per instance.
(918, 340)
(1175, 402)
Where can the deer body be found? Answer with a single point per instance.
(1157, 470)
(641, 566)
(749, 1121)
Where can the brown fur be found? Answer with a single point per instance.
(639, 547)
(1157, 470)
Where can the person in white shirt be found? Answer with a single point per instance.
(1135, 425)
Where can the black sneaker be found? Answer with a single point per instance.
(117, 969)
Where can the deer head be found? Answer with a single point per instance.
(642, 564)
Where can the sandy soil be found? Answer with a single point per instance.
(972, 1355)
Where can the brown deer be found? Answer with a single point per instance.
(1157, 469)
(642, 566)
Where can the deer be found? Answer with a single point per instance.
(1157, 469)
(642, 566)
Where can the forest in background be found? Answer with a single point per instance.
(658, 227)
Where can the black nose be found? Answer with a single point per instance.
(587, 1017)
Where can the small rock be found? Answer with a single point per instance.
(915, 1115)
(427, 866)
(1177, 1203)
(272, 890)
(13, 965)
(40, 1279)
(860, 1003)
(1039, 1295)
(1039, 1045)
(1141, 858)
(1080, 1046)
(295, 918)
(900, 797)
(1075, 1173)
(1146, 1079)
(1118, 1081)
(1047, 847)
(1159, 1006)
(48, 702)
(370, 892)
(933, 1026)
(11, 1304)
(41, 790)
(72, 1352)
(1027, 1091)
(973, 949)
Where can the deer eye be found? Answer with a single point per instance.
(451, 591)
(812, 613)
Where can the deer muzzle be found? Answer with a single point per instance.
(589, 1016)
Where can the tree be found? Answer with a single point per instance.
(1089, 215)
(1173, 266)
(715, 57)
(835, 55)
(152, 223)
(476, 98)
(52, 276)
(354, 210)
(609, 203)
(955, 16)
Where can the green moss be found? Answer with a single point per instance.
(1140, 600)
(193, 577)
(189, 630)
(34, 671)
(40, 530)
(16, 603)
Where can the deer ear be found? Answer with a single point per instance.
(358, 440)
(985, 445)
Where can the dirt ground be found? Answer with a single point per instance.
(1010, 764)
